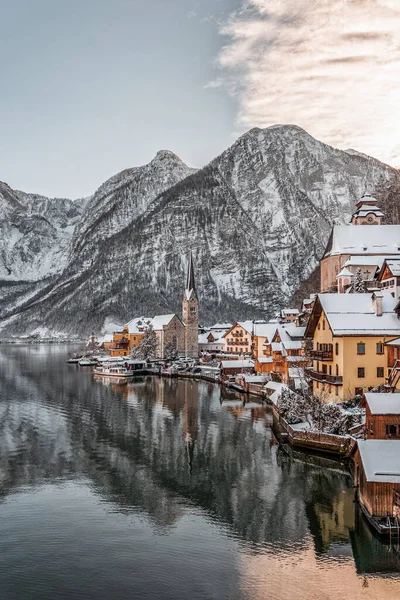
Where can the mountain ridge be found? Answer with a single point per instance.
(259, 213)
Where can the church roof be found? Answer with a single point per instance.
(190, 290)
(355, 239)
(344, 273)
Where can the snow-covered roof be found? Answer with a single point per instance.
(203, 338)
(294, 359)
(383, 404)
(292, 345)
(366, 209)
(295, 372)
(395, 342)
(276, 346)
(161, 321)
(237, 364)
(254, 378)
(290, 331)
(138, 325)
(290, 311)
(106, 338)
(353, 314)
(344, 273)
(265, 361)
(247, 326)
(366, 261)
(356, 239)
(381, 460)
(223, 326)
(266, 330)
(394, 266)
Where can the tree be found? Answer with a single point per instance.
(147, 348)
(358, 282)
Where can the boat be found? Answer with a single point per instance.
(74, 360)
(113, 371)
(86, 362)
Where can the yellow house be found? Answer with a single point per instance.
(131, 335)
(349, 333)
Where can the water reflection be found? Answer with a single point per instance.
(167, 451)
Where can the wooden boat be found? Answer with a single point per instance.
(113, 371)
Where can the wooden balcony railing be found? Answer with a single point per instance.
(324, 377)
(322, 354)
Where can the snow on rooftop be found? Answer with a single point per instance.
(221, 326)
(366, 261)
(356, 239)
(353, 314)
(265, 361)
(266, 330)
(138, 324)
(344, 273)
(381, 460)
(237, 364)
(290, 311)
(394, 266)
(292, 345)
(247, 326)
(383, 404)
(161, 321)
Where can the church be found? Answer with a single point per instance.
(176, 337)
(363, 244)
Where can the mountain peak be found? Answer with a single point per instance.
(166, 155)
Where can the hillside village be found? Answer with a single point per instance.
(340, 348)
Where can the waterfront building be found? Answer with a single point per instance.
(377, 480)
(171, 338)
(369, 244)
(123, 342)
(382, 416)
(349, 353)
(235, 367)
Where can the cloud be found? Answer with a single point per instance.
(330, 66)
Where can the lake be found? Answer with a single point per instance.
(167, 489)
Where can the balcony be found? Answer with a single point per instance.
(324, 377)
(322, 354)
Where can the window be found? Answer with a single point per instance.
(323, 324)
(360, 348)
(336, 390)
(396, 498)
(358, 391)
(330, 389)
(317, 385)
(391, 430)
(337, 349)
(337, 370)
(330, 369)
(380, 372)
(361, 372)
(319, 326)
(379, 348)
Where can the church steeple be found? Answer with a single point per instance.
(190, 312)
(190, 290)
(367, 213)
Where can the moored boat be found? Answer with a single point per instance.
(86, 362)
(113, 371)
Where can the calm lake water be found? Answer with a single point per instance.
(163, 489)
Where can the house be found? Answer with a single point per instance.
(123, 342)
(382, 416)
(356, 239)
(349, 332)
(289, 315)
(212, 342)
(238, 339)
(234, 367)
(393, 363)
(389, 277)
(377, 480)
(283, 355)
(307, 304)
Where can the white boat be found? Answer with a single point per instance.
(86, 362)
(113, 371)
(74, 360)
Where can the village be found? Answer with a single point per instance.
(330, 368)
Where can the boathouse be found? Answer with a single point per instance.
(377, 480)
(382, 416)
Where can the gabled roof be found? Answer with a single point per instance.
(383, 404)
(246, 325)
(237, 364)
(381, 460)
(161, 321)
(266, 330)
(358, 239)
(344, 273)
(353, 314)
(366, 261)
(138, 324)
(393, 264)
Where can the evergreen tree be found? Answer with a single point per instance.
(147, 348)
(358, 283)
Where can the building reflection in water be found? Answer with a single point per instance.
(157, 447)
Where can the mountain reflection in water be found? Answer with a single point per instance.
(165, 488)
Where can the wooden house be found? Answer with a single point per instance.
(234, 367)
(377, 481)
(382, 416)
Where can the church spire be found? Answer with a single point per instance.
(190, 290)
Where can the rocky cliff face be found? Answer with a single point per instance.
(259, 217)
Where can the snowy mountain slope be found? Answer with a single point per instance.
(259, 216)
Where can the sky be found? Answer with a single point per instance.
(91, 87)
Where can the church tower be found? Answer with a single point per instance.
(367, 212)
(190, 313)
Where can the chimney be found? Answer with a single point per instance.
(377, 298)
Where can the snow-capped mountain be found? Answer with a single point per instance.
(259, 216)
